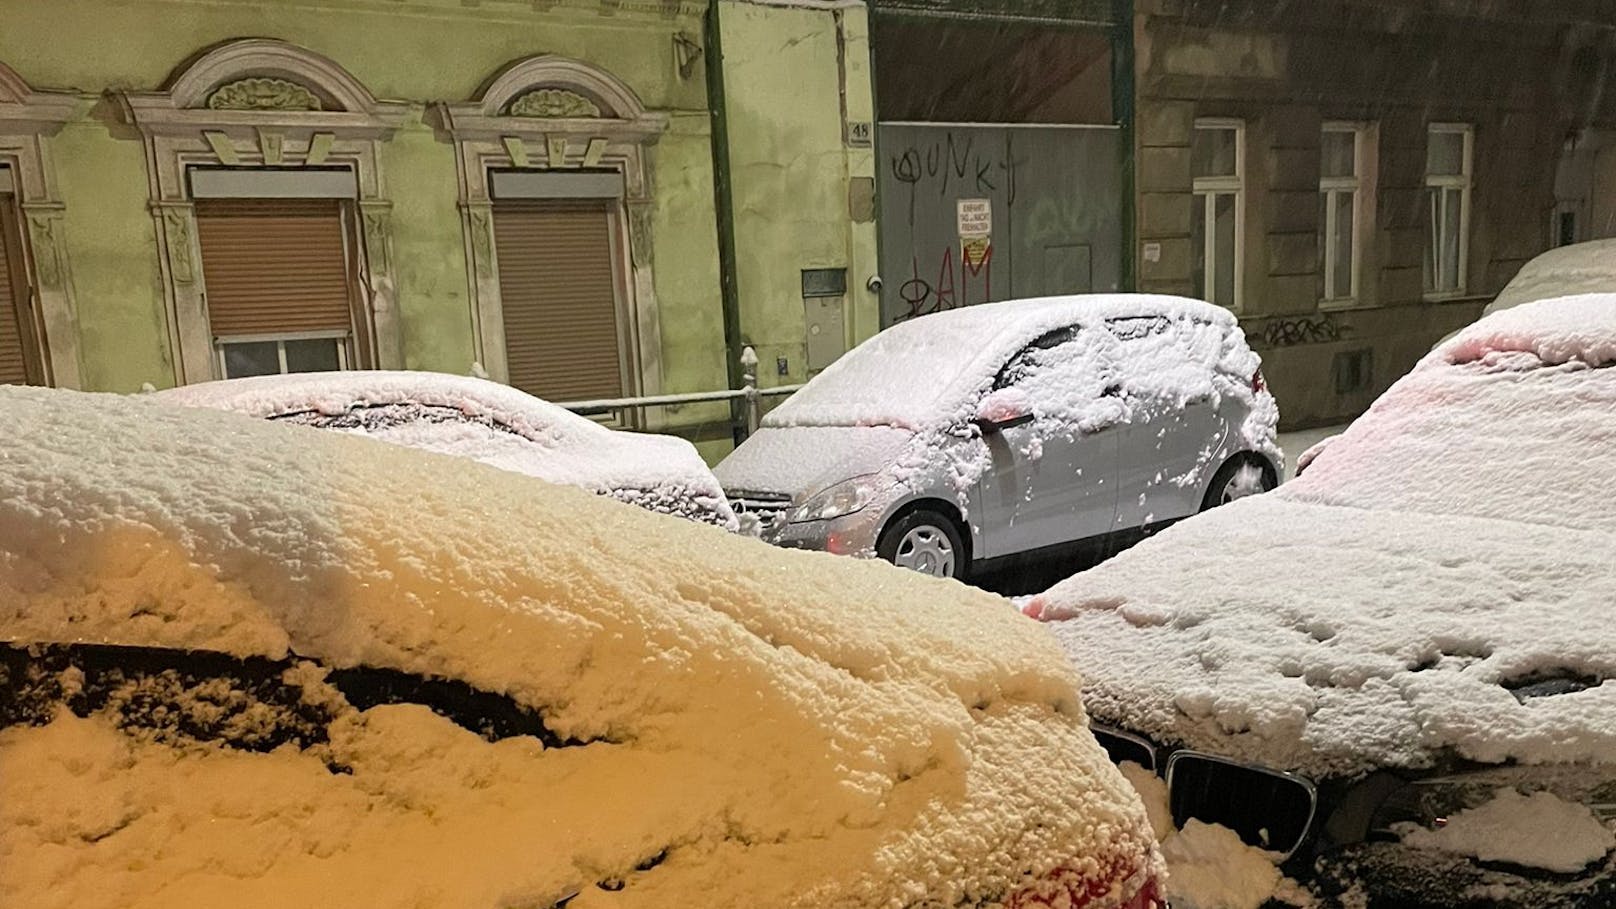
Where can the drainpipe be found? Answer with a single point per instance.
(724, 204)
(1123, 88)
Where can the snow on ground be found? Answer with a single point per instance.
(1455, 540)
(1297, 443)
(1538, 831)
(780, 728)
(493, 423)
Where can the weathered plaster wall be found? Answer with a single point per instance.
(112, 255)
(785, 70)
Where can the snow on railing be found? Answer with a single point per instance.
(748, 392)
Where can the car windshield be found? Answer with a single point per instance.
(898, 378)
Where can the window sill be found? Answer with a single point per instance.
(1344, 304)
(1454, 296)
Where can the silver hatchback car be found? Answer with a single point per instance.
(964, 437)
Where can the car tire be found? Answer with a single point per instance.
(1240, 476)
(924, 541)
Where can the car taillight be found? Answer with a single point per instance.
(1068, 888)
(1258, 383)
(1148, 897)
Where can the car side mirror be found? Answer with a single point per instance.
(1003, 409)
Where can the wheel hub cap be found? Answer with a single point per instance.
(926, 550)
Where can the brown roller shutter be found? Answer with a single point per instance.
(275, 266)
(13, 331)
(558, 293)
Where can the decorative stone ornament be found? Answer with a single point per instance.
(262, 94)
(553, 103)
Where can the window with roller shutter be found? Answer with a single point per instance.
(20, 360)
(564, 337)
(281, 286)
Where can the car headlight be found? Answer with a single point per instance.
(1432, 803)
(836, 501)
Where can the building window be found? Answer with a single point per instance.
(566, 331)
(281, 279)
(264, 165)
(269, 356)
(1448, 151)
(39, 337)
(556, 206)
(1342, 169)
(1218, 165)
(1564, 227)
(20, 360)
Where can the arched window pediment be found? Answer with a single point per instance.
(555, 94)
(262, 80)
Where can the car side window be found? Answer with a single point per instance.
(1066, 375)
(1035, 358)
(1135, 328)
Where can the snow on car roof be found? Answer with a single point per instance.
(1576, 269)
(570, 449)
(913, 374)
(1452, 544)
(769, 728)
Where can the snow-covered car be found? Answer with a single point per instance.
(986, 432)
(1580, 268)
(1395, 672)
(485, 421)
(241, 671)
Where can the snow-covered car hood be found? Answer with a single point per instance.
(764, 727)
(1453, 544)
(801, 460)
(657, 472)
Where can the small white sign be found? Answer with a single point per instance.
(860, 134)
(1152, 252)
(975, 218)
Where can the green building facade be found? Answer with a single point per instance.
(528, 189)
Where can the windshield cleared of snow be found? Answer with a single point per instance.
(750, 726)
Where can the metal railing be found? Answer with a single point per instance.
(748, 392)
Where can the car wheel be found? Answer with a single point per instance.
(1239, 477)
(924, 541)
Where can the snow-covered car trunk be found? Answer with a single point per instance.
(1418, 629)
(485, 421)
(240, 671)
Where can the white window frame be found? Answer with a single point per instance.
(1331, 189)
(1441, 183)
(1206, 190)
(342, 339)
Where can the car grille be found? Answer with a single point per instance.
(766, 506)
